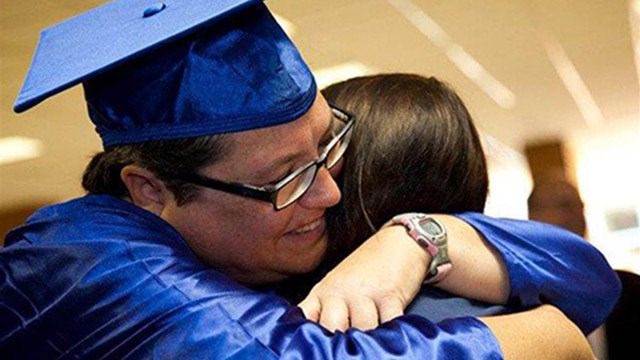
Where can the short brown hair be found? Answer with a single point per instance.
(165, 158)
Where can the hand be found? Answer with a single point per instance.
(372, 285)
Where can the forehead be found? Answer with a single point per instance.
(318, 116)
(296, 139)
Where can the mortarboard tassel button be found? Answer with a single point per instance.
(153, 9)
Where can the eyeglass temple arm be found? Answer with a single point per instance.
(240, 189)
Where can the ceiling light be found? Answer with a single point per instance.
(18, 148)
(469, 66)
(569, 75)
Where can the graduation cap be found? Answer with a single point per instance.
(175, 69)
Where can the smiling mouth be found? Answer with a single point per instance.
(308, 228)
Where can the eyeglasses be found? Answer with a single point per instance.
(291, 188)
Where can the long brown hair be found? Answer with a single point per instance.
(414, 148)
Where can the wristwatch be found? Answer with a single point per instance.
(431, 235)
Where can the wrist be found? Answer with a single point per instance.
(416, 258)
(431, 235)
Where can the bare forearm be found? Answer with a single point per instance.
(478, 272)
(541, 333)
(395, 266)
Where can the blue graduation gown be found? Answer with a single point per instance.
(98, 277)
(546, 264)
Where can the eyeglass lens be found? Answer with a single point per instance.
(300, 184)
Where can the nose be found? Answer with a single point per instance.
(323, 193)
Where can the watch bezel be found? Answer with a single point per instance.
(436, 244)
(435, 237)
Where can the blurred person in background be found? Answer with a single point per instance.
(556, 201)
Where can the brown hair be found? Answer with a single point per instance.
(165, 158)
(414, 148)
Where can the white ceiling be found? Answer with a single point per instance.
(507, 37)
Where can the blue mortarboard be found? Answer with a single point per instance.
(177, 69)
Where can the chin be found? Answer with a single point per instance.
(307, 263)
(287, 265)
(262, 278)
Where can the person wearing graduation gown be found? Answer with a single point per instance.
(195, 100)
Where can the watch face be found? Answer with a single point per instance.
(431, 227)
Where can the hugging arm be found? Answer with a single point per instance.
(261, 327)
(547, 264)
(147, 299)
(541, 333)
(520, 263)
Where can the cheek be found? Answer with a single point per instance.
(240, 236)
(197, 227)
(257, 224)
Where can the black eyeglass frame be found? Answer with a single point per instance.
(269, 193)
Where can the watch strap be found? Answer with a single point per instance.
(434, 244)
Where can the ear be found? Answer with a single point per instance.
(145, 189)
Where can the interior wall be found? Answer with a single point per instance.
(10, 218)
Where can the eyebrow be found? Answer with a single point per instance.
(329, 129)
(269, 170)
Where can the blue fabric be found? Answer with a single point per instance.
(438, 305)
(118, 31)
(100, 278)
(559, 268)
(195, 68)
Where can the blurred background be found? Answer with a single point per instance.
(553, 85)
